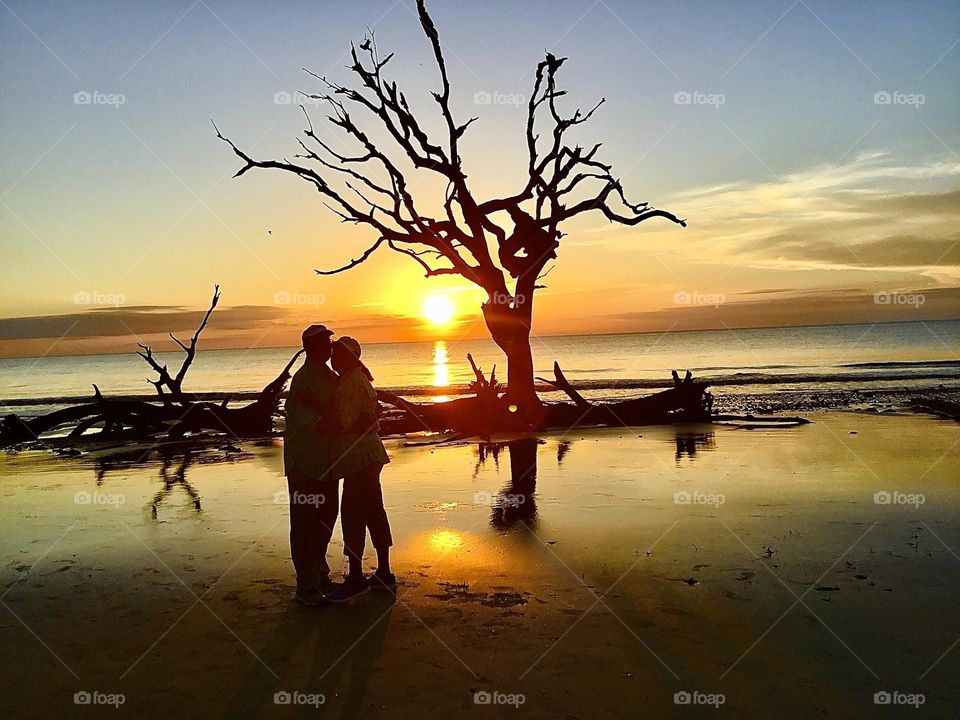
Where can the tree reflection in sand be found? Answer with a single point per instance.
(690, 443)
(172, 480)
(516, 502)
(173, 472)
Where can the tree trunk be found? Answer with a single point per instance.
(510, 329)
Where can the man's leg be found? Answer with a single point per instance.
(302, 538)
(325, 519)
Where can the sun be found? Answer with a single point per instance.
(438, 309)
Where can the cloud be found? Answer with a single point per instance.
(126, 321)
(869, 214)
(789, 307)
(119, 329)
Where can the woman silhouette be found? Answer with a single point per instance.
(362, 457)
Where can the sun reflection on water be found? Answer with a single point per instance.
(441, 368)
(443, 540)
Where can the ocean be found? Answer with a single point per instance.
(737, 362)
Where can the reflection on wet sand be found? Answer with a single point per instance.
(172, 470)
(689, 443)
(516, 501)
(178, 478)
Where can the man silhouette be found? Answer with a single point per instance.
(308, 459)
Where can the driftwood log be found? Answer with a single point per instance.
(489, 411)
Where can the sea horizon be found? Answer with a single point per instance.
(482, 336)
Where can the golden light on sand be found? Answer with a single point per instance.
(445, 540)
(438, 309)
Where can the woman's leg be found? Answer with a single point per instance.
(377, 521)
(353, 520)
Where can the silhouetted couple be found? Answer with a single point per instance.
(332, 433)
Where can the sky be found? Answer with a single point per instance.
(811, 146)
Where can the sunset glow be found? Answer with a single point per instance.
(438, 309)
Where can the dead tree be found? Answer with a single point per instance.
(495, 243)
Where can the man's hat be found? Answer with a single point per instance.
(316, 332)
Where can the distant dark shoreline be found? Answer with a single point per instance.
(481, 337)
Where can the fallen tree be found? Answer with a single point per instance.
(490, 410)
(173, 415)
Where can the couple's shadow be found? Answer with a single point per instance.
(332, 650)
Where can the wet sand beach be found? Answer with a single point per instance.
(788, 572)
